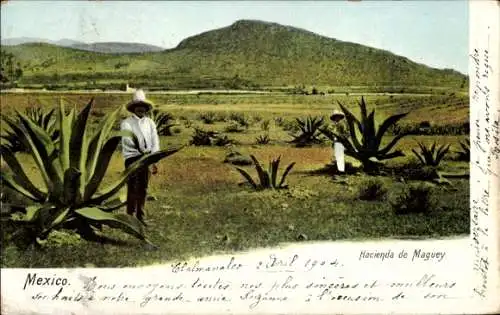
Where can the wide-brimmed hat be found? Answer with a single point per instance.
(139, 99)
(337, 116)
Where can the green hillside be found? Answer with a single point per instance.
(246, 54)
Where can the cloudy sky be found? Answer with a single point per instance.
(430, 32)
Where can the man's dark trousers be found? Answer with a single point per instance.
(137, 186)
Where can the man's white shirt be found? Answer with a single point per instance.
(145, 130)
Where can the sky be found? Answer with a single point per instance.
(430, 32)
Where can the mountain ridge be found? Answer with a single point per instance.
(248, 52)
(105, 47)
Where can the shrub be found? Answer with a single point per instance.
(267, 179)
(241, 119)
(367, 149)
(220, 116)
(233, 127)
(257, 118)
(209, 138)
(301, 90)
(265, 124)
(72, 170)
(373, 190)
(415, 198)
(431, 156)
(236, 158)
(309, 131)
(207, 117)
(263, 139)
(202, 137)
(222, 141)
(425, 128)
(279, 121)
(290, 126)
(188, 123)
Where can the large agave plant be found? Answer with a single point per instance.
(309, 131)
(364, 142)
(41, 118)
(267, 179)
(72, 169)
(431, 156)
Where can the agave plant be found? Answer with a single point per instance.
(464, 154)
(202, 137)
(267, 179)
(309, 131)
(41, 119)
(367, 148)
(431, 156)
(163, 122)
(72, 169)
(207, 117)
(262, 139)
(265, 124)
(241, 119)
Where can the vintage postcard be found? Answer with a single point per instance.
(250, 157)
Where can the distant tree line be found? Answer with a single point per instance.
(10, 69)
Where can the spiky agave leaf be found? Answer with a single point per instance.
(419, 156)
(263, 175)
(464, 153)
(103, 160)
(79, 141)
(247, 177)
(44, 152)
(441, 153)
(113, 204)
(111, 190)
(273, 170)
(285, 174)
(387, 124)
(98, 140)
(19, 181)
(66, 130)
(121, 221)
(71, 189)
(352, 123)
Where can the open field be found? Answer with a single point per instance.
(202, 207)
(438, 109)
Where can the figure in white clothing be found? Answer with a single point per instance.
(338, 148)
(145, 130)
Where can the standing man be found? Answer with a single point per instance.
(338, 148)
(145, 130)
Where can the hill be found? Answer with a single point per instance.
(118, 48)
(104, 47)
(30, 40)
(246, 54)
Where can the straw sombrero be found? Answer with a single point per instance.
(139, 99)
(337, 116)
